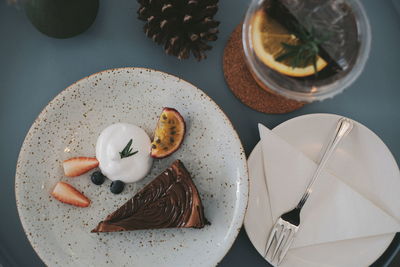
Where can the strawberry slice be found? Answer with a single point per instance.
(77, 166)
(66, 193)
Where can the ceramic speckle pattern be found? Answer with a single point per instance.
(69, 126)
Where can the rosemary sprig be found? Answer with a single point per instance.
(306, 52)
(127, 151)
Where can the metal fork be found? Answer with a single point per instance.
(288, 224)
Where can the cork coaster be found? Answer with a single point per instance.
(243, 85)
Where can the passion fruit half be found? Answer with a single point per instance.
(169, 133)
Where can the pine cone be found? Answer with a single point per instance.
(182, 26)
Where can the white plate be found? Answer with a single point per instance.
(69, 125)
(362, 156)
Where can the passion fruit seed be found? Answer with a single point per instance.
(171, 139)
(173, 132)
(164, 117)
(153, 146)
(158, 140)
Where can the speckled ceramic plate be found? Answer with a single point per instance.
(69, 126)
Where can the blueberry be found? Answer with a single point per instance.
(97, 178)
(117, 186)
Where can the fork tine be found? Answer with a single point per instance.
(279, 243)
(270, 239)
(287, 245)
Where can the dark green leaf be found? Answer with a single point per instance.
(315, 65)
(286, 55)
(127, 151)
(307, 51)
(287, 46)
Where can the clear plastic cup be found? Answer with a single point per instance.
(308, 90)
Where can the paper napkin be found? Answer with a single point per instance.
(333, 212)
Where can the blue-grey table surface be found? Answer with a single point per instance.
(35, 68)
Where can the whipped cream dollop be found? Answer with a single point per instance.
(112, 141)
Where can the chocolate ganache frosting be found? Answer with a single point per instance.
(170, 200)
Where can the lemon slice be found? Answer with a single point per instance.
(267, 37)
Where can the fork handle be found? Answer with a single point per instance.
(344, 126)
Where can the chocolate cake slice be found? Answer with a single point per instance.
(171, 200)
